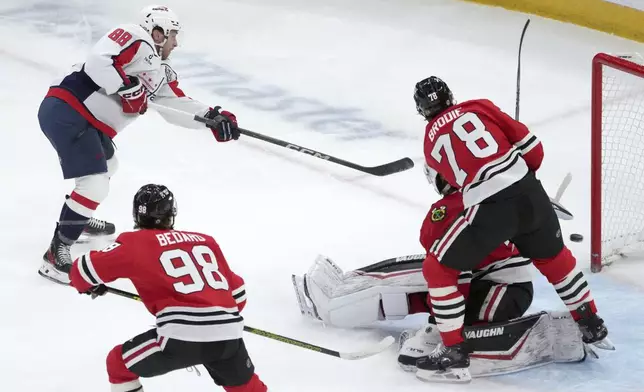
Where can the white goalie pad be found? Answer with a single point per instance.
(355, 299)
(525, 343)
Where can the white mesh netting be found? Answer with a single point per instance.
(622, 161)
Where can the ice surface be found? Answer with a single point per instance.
(336, 77)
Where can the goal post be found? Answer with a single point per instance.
(617, 157)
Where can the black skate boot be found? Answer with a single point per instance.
(446, 364)
(592, 329)
(96, 227)
(57, 261)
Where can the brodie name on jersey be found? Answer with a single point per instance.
(177, 237)
(442, 120)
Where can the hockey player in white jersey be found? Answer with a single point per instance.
(96, 100)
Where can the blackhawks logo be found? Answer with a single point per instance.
(438, 213)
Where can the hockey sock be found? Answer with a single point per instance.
(74, 216)
(569, 282)
(120, 377)
(447, 302)
(253, 385)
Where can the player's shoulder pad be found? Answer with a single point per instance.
(138, 35)
(481, 104)
(127, 237)
(138, 32)
(451, 204)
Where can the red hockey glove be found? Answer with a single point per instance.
(134, 98)
(225, 127)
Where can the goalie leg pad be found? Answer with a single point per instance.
(524, 343)
(354, 299)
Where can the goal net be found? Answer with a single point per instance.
(617, 178)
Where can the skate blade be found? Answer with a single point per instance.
(407, 368)
(589, 351)
(605, 344)
(87, 238)
(47, 271)
(453, 375)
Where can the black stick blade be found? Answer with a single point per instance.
(390, 168)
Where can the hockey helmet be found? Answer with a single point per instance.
(159, 16)
(154, 207)
(432, 96)
(441, 186)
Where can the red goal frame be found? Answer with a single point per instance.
(600, 61)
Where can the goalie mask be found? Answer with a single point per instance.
(432, 96)
(154, 207)
(441, 186)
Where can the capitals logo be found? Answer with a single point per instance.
(439, 213)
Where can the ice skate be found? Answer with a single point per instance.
(96, 228)
(414, 345)
(593, 329)
(57, 261)
(446, 364)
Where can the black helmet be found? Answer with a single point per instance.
(154, 207)
(432, 96)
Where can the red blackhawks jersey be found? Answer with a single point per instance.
(480, 150)
(182, 278)
(503, 265)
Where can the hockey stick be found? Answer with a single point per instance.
(563, 186)
(516, 112)
(367, 352)
(381, 170)
(562, 212)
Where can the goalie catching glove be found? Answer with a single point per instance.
(225, 127)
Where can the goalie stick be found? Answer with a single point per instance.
(352, 355)
(381, 170)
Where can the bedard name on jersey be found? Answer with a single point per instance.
(185, 281)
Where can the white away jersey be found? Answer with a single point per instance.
(127, 50)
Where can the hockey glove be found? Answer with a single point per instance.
(97, 291)
(134, 97)
(225, 127)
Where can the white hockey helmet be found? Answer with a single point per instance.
(159, 16)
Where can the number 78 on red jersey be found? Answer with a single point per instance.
(479, 149)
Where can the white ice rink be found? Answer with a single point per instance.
(333, 75)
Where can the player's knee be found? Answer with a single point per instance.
(112, 166)
(117, 372)
(94, 187)
(253, 385)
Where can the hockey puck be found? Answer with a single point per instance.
(576, 237)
